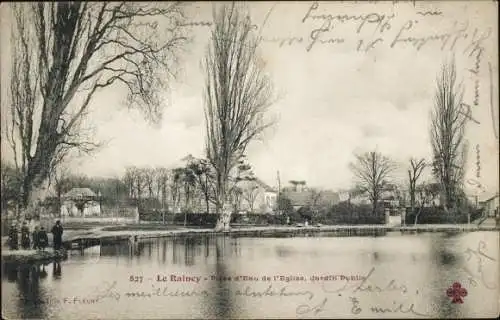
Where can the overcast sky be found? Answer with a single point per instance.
(332, 99)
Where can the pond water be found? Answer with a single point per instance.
(391, 276)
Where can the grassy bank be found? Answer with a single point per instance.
(29, 256)
(142, 227)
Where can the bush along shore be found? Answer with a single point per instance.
(340, 214)
(30, 256)
(337, 215)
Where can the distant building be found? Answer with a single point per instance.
(354, 197)
(307, 197)
(360, 199)
(257, 197)
(390, 197)
(490, 205)
(80, 202)
(424, 200)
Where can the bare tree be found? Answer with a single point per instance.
(237, 95)
(130, 181)
(205, 178)
(235, 195)
(149, 181)
(250, 194)
(161, 177)
(62, 184)
(315, 200)
(241, 186)
(448, 121)
(189, 182)
(66, 52)
(427, 192)
(355, 192)
(140, 182)
(414, 172)
(11, 185)
(372, 170)
(175, 185)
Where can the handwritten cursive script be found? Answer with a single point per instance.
(107, 291)
(304, 309)
(270, 291)
(166, 292)
(365, 285)
(397, 308)
(492, 107)
(481, 257)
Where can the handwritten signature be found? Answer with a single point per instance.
(304, 309)
(363, 286)
(357, 308)
(108, 291)
(379, 309)
(366, 286)
(481, 257)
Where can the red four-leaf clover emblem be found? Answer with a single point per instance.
(456, 292)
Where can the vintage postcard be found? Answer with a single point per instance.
(250, 160)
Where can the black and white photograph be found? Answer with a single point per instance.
(250, 160)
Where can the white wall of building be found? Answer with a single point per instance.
(91, 208)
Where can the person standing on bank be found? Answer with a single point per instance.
(13, 237)
(36, 239)
(43, 239)
(57, 231)
(25, 236)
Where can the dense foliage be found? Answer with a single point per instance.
(438, 215)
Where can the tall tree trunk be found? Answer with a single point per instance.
(374, 205)
(412, 199)
(223, 223)
(32, 191)
(223, 210)
(59, 203)
(207, 202)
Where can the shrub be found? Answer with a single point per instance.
(151, 215)
(258, 219)
(196, 219)
(437, 215)
(345, 214)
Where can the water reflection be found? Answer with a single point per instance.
(120, 249)
(187, 251)
(56, 270)
(10, 272)
(426, 263)
(220, 306)
(446, 271)
(32, 300)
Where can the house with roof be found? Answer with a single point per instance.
(308, 197)
(257, 197)
(80, 202)
(490, 204)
